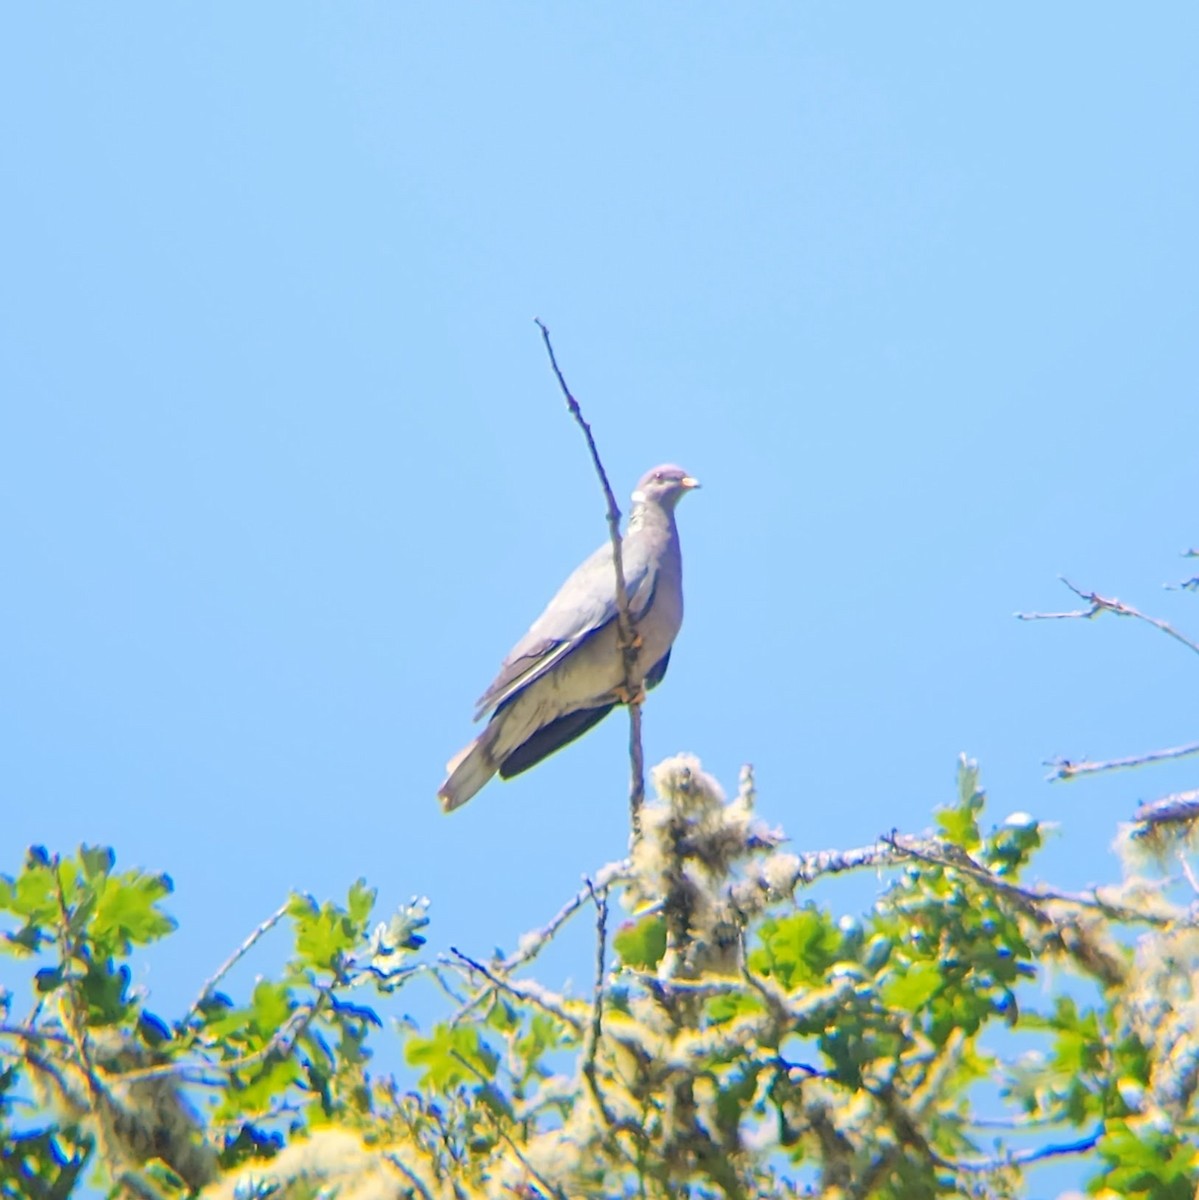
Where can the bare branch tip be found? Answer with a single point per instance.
(624, 622)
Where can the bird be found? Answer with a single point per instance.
(568, 672)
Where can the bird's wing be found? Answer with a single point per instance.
(565, 730)
(552, 737)
(585, 603)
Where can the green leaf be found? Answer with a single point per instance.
(325, 936)
(271, 1007)
(798, 948)
(1146, 1163)
(254, 1098)
(447, 1056)
(361, 904)
(222, 1024)
(729, 1005)
(910, 990)
(1010, 846)
(641, 943)
(959, 826)
(959, 823)
(105, 987)
(97, 861)
(968, 775)
(736, 1094)
(33, 895)
(127, 912)
(501, 1015)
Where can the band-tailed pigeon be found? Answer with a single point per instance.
(567, 673)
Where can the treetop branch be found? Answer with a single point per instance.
(624, 621)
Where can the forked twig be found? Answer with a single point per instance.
(1101, 604)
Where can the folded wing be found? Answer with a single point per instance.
(585, 604)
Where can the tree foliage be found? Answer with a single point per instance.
(741, 1040)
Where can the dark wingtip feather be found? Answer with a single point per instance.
(552, 737)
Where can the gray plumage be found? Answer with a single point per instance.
(567, 673)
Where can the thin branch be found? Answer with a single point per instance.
(1021, 1123)
(408, 1174)
(1100, 604)
(233, 959)
(443, 983)
(282, 1042)
(1063, 768)
(533, 942)
(595, 1029)
(529, 995)
(573, 406)
(816, 864)
(955, 859)
(625, 626)
(896, 848)
(72, 1012)
(1021, 1158)
(775, 1001)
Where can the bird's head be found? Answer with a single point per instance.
(665, 485)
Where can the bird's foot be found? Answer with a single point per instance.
(630, 696)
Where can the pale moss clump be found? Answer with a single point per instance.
(135, 1120)
(1164, 1013)
(692, 840)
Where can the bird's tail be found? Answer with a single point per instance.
(467, 772)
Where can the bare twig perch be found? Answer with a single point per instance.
(624, 621)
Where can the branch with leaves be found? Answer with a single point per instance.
(737, 1033)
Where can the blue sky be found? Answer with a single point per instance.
(283, 472)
